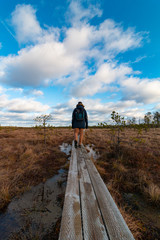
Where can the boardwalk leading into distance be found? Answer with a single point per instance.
(89, 211)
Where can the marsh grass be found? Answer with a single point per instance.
(135, 169)
(153, 193)
(134, 225)
(5, 196)
(24, 161)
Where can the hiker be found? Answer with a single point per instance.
(79, 122)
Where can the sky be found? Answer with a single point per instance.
(56, 53)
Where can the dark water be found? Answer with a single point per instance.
(34, 213)
(39, 206)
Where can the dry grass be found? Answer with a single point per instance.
(133, 167)
(25, 161)
(134, 225)
(153, 192)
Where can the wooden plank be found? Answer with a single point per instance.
(116, 226)
(71, 226)
(93, 227)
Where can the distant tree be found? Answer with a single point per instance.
(156, 118)
(147, 118)
(133, 120)
(43, 119)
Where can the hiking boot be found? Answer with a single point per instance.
(80, 145)
(75, 144)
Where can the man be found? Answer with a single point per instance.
(79, 122)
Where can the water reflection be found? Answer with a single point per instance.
(91, 152)
(39, 206)
(37, 210)
(66, 148)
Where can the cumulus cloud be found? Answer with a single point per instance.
(25, 23)
(16, 119)
(106, 74)
(26, 105)
(82, 58)
(22, 105)
(19, 90)
(79, 38)
(50, 60)
(34, 66)
(118, 39)
(77, 14)
(142, 90)
(97, 111)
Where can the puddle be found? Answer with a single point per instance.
(37, 210)
(66, 148)
(91, 152)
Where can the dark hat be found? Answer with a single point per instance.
(80, 103)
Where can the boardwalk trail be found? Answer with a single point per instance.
(89, 211)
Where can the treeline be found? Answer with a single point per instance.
(150, 120)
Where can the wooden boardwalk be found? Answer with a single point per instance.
(89, 211)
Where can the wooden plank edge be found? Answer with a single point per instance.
(71, 226)
(123, 232)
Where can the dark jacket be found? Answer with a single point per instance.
(79, 124)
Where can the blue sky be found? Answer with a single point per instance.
(56, 53)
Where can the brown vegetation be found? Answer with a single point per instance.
(131, 172)
(25, 161)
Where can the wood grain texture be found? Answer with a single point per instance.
(115, 224)
(93, 227)
(71, 226)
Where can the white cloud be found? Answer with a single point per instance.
(16, 119)
(26, 105)
(22, 105)
(142, 90)
(33, 66)
(34, 92)
(2, 89)
(157, 107)
(97, 111)
(79, 38)
(106, 74)
(77, 14)
(37, 93)
(51, 60)
(118, 39)
(3, 101)
(83, 61)
(19, 90)
(24, 21)
(139, 59)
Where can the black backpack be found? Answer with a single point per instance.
(79, 114)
